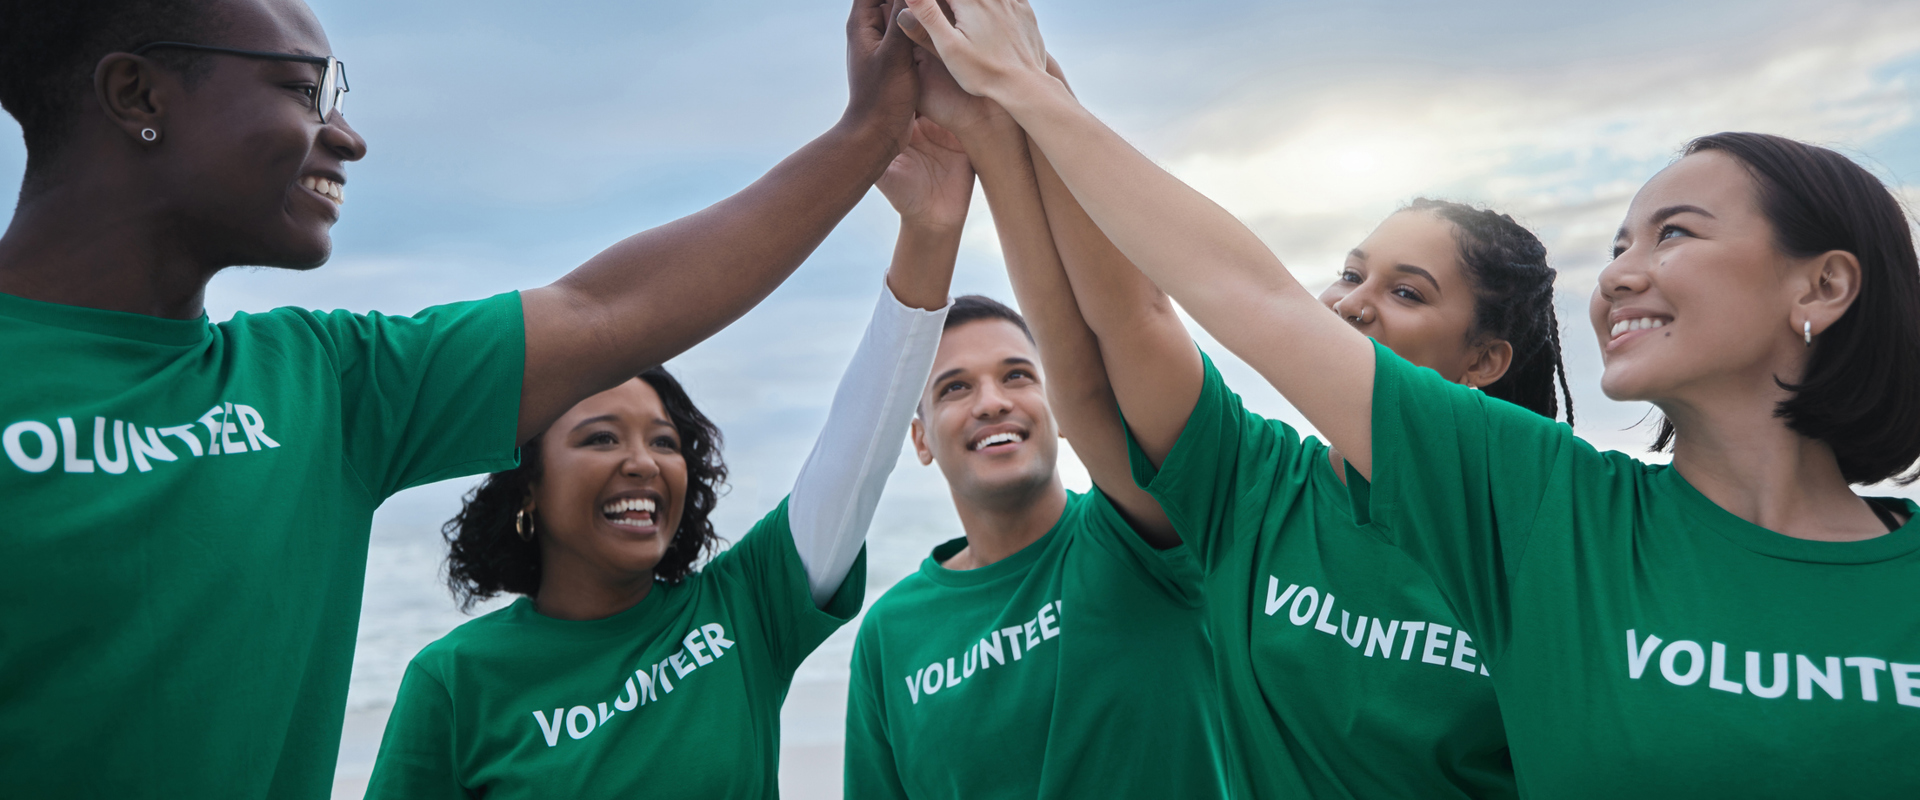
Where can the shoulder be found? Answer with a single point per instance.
(475, 638)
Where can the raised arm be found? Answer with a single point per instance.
(1214, 266)
(930, 184)
(659, 292)
(1075, 379)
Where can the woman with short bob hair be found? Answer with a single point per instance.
(1738, 623)
(623, 670)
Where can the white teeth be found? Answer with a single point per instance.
(998, 438)
(625, 505)
(326, 188)
(1636, 324)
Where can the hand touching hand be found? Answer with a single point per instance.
(931, 182)
(882, 88)
(943, 101)
(991, 46)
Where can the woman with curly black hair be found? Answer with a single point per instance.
(623, 668)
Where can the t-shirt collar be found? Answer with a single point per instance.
(117, 324)
(1894, 544)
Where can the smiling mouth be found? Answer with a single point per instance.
(332, 190)
(629, 512)
(1007, 437)
(1627, 326)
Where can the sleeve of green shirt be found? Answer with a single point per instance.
(765, 567)
(870, 772)
(416, 752)
(1225, 455)
(1458, 478)
(431, 396)
(1172, 571)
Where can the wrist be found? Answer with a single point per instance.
(931, 229)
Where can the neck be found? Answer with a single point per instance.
(81, 242)
(1747, 461)
(574, 591)
(1000, 526)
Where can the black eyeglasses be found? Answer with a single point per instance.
(332, 94)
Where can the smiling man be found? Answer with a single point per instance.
(188, 503)
(1051, 652)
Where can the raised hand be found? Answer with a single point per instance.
(931, 182)
(990, 46)
(942, 100)
(882, 87)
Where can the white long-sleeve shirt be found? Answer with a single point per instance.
(840, 483)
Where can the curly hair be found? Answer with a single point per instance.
(1513, 300)
(485, 556)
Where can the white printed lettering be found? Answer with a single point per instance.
(1906, 679)
(913, 687)
(150, 446)
(1359, 631)
(1276, 598)
(1383, 638)
(1830, 679)
(680, 670)
(970, 661)
(185, 434)
(1436, 639)
(645, 682)
(49, 450)
(933, 679)
(118, 464)
(1869, 683)
(1311, 597)
(697, 648)
(211, 419)
(254, 426)
(1412, 629)
(991, 650)
(628, 700)
(660, 676)
(70, 447)
(1048, 629)
(227, 430)
(580, 712)
(1696, 662)
(1779, 685)
(1326, 609)
(604, 714)
(550, 729)
(1033, 634)
(1013, 640)
(1717, 676)
(1637, 655)
(1461, 652)
(716, 637)
(953, 676)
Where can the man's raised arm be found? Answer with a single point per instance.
(661, 291)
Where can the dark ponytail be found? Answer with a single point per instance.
(1513, 300)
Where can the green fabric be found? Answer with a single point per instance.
(1643, 641)
(180, 617)
(987, 683)
(1342, 671)
(678, 696)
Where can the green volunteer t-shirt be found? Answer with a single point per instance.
(187, 512)
(1643, 641)
(1342, 671)
(678, 696)
(987, 683)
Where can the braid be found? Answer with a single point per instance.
(1513, 293)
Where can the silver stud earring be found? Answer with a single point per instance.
(150, 134)
(1806, 330)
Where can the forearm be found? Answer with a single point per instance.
(1213, 265)
(1154, 368)
(659, 292)
(920, 244)
(840, 484)
(1075, 375)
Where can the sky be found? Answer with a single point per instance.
(508, 142)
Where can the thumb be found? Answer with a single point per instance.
(910, 25)
(929, 18)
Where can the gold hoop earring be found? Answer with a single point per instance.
(523, 525)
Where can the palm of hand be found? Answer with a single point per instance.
(931, 181)
(943, 101)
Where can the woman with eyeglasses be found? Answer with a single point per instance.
(627, 668)
(1738, 623)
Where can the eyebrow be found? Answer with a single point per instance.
(616, 418)
(1420, 272)
(1008, 361)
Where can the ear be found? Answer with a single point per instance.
(1490, 364)
(1832, 282)
(920, 448)
(133, 91)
